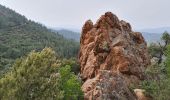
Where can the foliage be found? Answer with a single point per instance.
(158, 90)
(158, 50)
(75, 67)
(19, 36)
(166, 37)
(157, 84)
(168, 62)
(33, 77)
(105, 46)
(39, 76)
(70, 85)
(69, 34)
(154, 50)
(158, 74)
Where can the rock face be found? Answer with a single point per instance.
(112, 57)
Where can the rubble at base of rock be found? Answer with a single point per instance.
(111, 57)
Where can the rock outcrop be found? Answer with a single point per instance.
(112, 57)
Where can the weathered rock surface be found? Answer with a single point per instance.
(112, 57)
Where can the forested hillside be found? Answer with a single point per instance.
(18, 36)
(69, 34)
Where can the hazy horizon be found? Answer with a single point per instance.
(72, 14)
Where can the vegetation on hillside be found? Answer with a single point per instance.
(69, 34)
(18, 36)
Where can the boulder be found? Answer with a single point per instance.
(111, 57)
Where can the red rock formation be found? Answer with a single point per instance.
(112, 57)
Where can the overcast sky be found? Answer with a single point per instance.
(73, 13)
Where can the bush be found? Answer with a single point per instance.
(157, 84)
(75, 67)
(39, 76)
(168, 61)
(70, 84)
(154, 50)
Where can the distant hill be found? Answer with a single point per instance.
(18, 36)
(156, 30)
(151, 37)
(154, 34)
(69, 34)
(76, 30)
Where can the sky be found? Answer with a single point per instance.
(140, 14)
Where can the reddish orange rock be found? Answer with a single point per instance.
(112, 57)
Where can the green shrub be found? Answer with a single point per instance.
(157, 83)
(70, 84)
(39, 76)
(75, 67)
